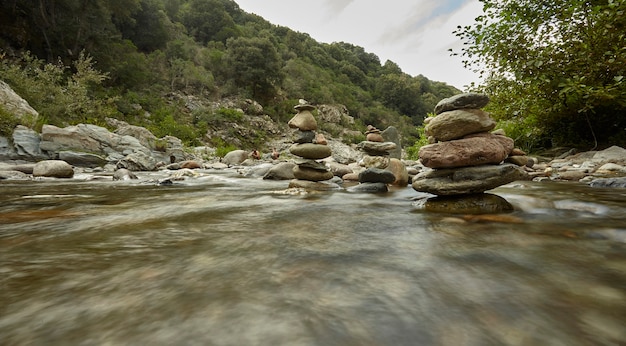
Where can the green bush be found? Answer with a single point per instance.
(8, 122)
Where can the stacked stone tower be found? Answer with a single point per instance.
(464, 156)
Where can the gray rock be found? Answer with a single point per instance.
(53, 168)
(304, 136)
(344, 153)
(82, 159)
(26, 143)
(235, 157)
(138, 161)
(613, 154)
(369, 188)
(15, 104)
(459, 123)
(13, 175)
(462, 101)
(391, 134)
(124, 174)
(609, 182)
(312, 164)
(376, 175)
(26, 168)
(7, 150)
(467, 180)
(339, 169)
(281, 171)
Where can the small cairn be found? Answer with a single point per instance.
(310, 147)
(380, 169)
(465, 157)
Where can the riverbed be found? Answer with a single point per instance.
(222, 259)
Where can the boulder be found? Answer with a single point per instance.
(467, 180)
(391, 134)
(462, 101)
(310, 151)
(281, 171)
(235, 157)
(124, 174)
(458, 123)
(613, 154)
(26, 143)
(82, 159)
(53, 168)
(14, 104)
(609, 182)
(138, 161)
(473, 151)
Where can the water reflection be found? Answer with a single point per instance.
(241, 263)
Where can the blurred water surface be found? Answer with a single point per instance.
(223, 260)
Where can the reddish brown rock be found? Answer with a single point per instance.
(463, 152)
(506, 142)
(190, 164)
(304, 121)
(399, 171)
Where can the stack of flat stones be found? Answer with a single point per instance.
(465, 157)
(309, 147)
(380, 169)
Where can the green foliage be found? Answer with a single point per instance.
(8, 122)
(145, 56)
(555, 68)
(222, 148)
(412, 152)
(58, 95)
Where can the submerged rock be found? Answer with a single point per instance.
(481, 203)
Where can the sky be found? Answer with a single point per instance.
(415, 34)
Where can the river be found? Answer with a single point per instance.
(228, 260)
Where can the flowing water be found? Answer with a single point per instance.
(224, 260)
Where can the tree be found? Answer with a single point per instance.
(253, 63)
(557, 67)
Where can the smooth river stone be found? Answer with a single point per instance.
(304, 121)
(458, 123)
(463, 152)
(369, 188)
(53, 168)
(462, 101)
(311, 174)
(467, 180)
(310, 151)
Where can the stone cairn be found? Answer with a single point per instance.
(465, 157)
(310, 147)
(380, 169)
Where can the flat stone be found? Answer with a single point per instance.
(376, 148)
(82, 159)
(304, 136)
(462, 101)
(303, 173)
(369, 188)
(462, 153)
(467, 180)
(310, 151)
(311, 164)
(459, 123)
(313, 185)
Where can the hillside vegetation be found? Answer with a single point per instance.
(181, 67)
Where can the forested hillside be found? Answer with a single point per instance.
(142, 61)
